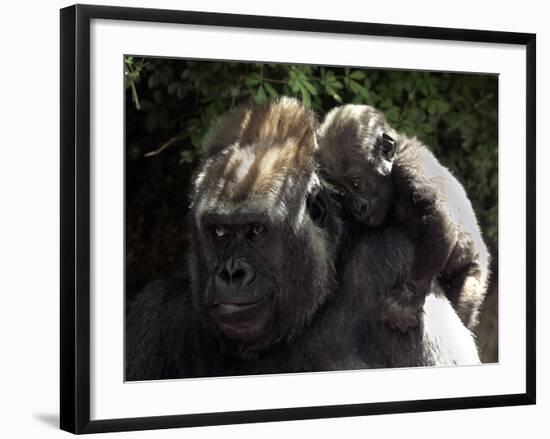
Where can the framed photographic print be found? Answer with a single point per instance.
(268, 218)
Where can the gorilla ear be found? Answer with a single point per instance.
(317, 207)
(387, 147)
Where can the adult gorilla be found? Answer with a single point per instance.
(277, 283)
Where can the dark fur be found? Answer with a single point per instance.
(407, 186)
(311, 323)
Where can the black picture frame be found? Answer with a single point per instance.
(75, 217)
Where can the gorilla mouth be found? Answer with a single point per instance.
(240, 320)
(232, 308)
(231, 311)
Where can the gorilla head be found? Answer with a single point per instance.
(263, 244)
(357, 151)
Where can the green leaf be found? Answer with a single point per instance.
(153, 80)
(294, 84)
(181, 91)
(443, 107)
(312, 90)
(196, 139)
(358, 74)
(157, 96)
(261, 96)
(354, 86)
(306, 98)
(172, 88)
(251, 81)
(392, 115)
(272, 92)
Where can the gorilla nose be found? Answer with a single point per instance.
(234, 275)
(360, 207)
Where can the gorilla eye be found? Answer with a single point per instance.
(220, 231)
(255, 229)
(339, 193)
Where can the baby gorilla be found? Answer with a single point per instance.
(383, 177)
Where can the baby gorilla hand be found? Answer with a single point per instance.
(402, 306)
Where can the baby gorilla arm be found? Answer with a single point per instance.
(422, 209)
(435, 209)
(419, 209)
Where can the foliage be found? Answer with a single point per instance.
(171, 103)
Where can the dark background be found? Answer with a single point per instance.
(171, 103)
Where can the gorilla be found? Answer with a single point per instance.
(385, 177)
(276, 280)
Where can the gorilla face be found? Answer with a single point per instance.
(356, 154)
(365, 193)
(257, 210)
(242, 253)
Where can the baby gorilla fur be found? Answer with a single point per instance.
(385, 178)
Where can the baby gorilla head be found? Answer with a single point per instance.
(356, 153)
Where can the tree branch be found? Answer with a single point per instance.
(164, 145)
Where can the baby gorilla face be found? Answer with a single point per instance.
(356, 153)
(366, 194)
